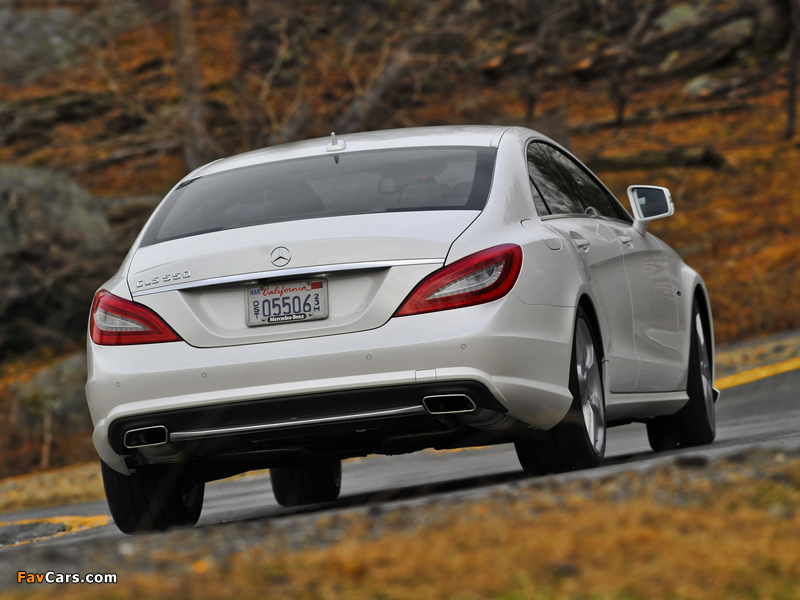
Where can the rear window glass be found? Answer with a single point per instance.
(412, 179)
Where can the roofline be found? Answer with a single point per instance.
(412, 137)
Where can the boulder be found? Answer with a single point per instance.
(56, 248)
(37, 41)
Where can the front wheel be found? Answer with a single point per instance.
(579, 440)
(154, 497)
(296, 485)
(695, 424)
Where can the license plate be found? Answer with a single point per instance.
(287, 302)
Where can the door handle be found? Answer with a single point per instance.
(581, 243)
(626, 239)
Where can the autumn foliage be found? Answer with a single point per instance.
(736, 225)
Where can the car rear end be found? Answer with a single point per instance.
(294, 303)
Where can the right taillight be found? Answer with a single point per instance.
(481, 277)
(116, 321)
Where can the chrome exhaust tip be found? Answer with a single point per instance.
(448, 404)
(145, 437)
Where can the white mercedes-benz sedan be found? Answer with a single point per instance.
(381, 293)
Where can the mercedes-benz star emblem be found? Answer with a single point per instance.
(281, 256)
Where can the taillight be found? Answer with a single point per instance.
(475, 279)
(115, 321)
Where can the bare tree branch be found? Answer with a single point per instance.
(660, 117)
(362, 106)
(702, 156)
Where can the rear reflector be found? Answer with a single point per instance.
(476, 279)
(115, 321)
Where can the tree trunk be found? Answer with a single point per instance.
(47, 435)
(617, 78)
(794, 62)
(196, 141)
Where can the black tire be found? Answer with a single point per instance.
(695, 423)
(296, 485)
(153, 498)
(579, 440)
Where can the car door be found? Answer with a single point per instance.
(656, 329)
(573, 205)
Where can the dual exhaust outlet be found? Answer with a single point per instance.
(442, 404)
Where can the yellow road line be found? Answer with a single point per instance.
(756, 374)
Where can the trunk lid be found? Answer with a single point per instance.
(368, 264)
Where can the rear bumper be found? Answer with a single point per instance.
(277, 419)
(518, 355)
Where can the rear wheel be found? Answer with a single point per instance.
(694, 424)
(154, 497)
(579, 440)
(296, 485)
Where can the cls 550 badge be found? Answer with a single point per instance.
(163, 278)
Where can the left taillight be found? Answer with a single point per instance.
(476, 279)
(116, 322)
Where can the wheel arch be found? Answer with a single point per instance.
(585, 302)
(704, 308)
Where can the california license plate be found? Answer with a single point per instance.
(286, 302)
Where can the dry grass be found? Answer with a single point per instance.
(726, 530)
(68, 485)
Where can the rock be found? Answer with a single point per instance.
(679, 15)
(55, 245)
(35, 42)
(734, 34)
(702, 86)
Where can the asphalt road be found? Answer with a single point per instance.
(764, 412)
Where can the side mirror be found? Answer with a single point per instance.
(649, 202)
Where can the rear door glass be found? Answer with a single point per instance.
(565, 187)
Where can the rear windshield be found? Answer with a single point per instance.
(411, 179)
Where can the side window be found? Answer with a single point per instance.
(566, 187)
(552, 181)
(593, 199)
